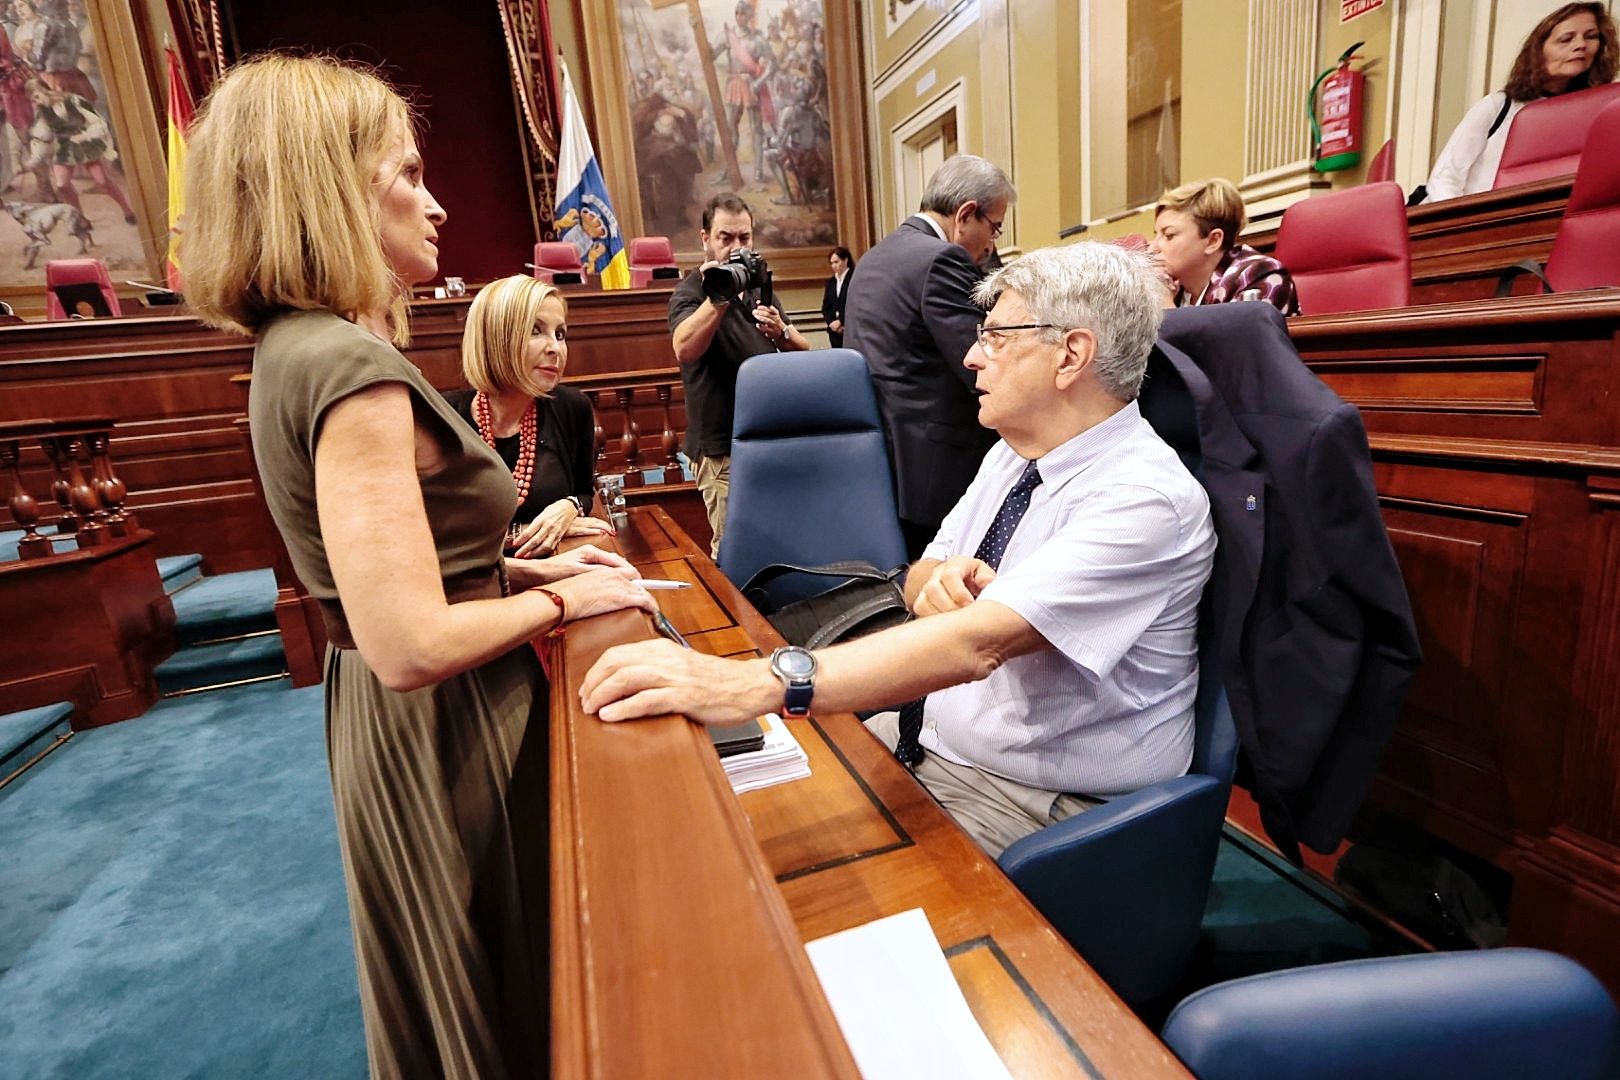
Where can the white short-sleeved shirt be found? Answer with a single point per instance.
(1108, 564)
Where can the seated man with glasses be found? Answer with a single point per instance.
(1054, 659)
(911, 314)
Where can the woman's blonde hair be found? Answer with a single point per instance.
(279, 209)
(499, 325)
(1212, 204)
(1528, 79)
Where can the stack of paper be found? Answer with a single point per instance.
(781, 759)
(898, 1005)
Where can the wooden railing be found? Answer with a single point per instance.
(640, 420)
(86, 490)
(87, 624)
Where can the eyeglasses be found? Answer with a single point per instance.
(995, 226)
(989, 337)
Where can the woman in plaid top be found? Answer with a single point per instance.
(1195, 237)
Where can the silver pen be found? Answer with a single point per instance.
(664, 583)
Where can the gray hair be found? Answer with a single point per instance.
(965, 178)
(1098, 287)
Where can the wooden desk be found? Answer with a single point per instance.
(676, 939)
(167, 381)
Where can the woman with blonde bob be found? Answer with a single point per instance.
(513, 354)
(307, 223)
(1195, 238)
(1572, 48)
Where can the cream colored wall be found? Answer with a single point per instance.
(1041, 100)
(911, 89)
(1014, 64)
(1374, 28)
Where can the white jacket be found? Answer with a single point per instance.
(1469, 161)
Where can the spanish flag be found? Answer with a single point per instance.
(181, 110)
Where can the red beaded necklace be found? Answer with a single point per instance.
(528, 439)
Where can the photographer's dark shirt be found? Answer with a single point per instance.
(711, 381)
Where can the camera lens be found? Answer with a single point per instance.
(725, 282)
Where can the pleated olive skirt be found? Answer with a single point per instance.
(442, 813)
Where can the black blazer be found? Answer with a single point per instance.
(833, 300)
(913, 319)
(1305, 608)
(567, 429)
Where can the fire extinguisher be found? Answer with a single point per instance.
(1336, 123)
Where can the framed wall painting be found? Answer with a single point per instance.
(761, 97)
(81, 169)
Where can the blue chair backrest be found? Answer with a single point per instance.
(1215, 740)
(1491, 1015)
(810, 481)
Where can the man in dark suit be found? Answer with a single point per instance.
(836, 294)
(913, 319)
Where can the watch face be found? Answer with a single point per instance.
(795, 663)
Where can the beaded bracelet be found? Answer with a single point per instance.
(562, 612)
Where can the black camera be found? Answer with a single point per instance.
(745, 271)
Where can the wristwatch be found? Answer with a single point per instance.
(796, 667)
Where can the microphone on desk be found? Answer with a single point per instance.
(157, 295)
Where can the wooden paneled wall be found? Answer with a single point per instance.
(168, 381)
(1496, 443)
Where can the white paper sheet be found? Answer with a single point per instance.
(899, 1006)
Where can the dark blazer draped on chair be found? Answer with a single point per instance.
(1312, 622)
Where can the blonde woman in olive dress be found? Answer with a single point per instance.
(307, 222)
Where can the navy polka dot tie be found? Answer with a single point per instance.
(994, 545)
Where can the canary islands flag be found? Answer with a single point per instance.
(181, 110)
(584, 216)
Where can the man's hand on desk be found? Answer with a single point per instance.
(955, 583)
(654, 678)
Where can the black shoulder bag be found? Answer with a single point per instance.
(858, 600)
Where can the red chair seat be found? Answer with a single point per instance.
(1586, 252)
(647, 254)
(1349, 250)
(1547, 135)
(553, 257)
(81, 272)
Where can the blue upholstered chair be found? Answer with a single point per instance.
(1502, 1014)
(810, 480)
(1126, 883)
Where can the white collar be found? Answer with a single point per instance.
(932, 224)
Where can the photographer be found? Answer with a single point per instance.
(720, 315)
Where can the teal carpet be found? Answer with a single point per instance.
(1265, 915)
(225, 606)
(171, 899)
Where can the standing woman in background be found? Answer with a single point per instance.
(307, 223)
(836, 294)
(513, 354)
(1571, 49)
